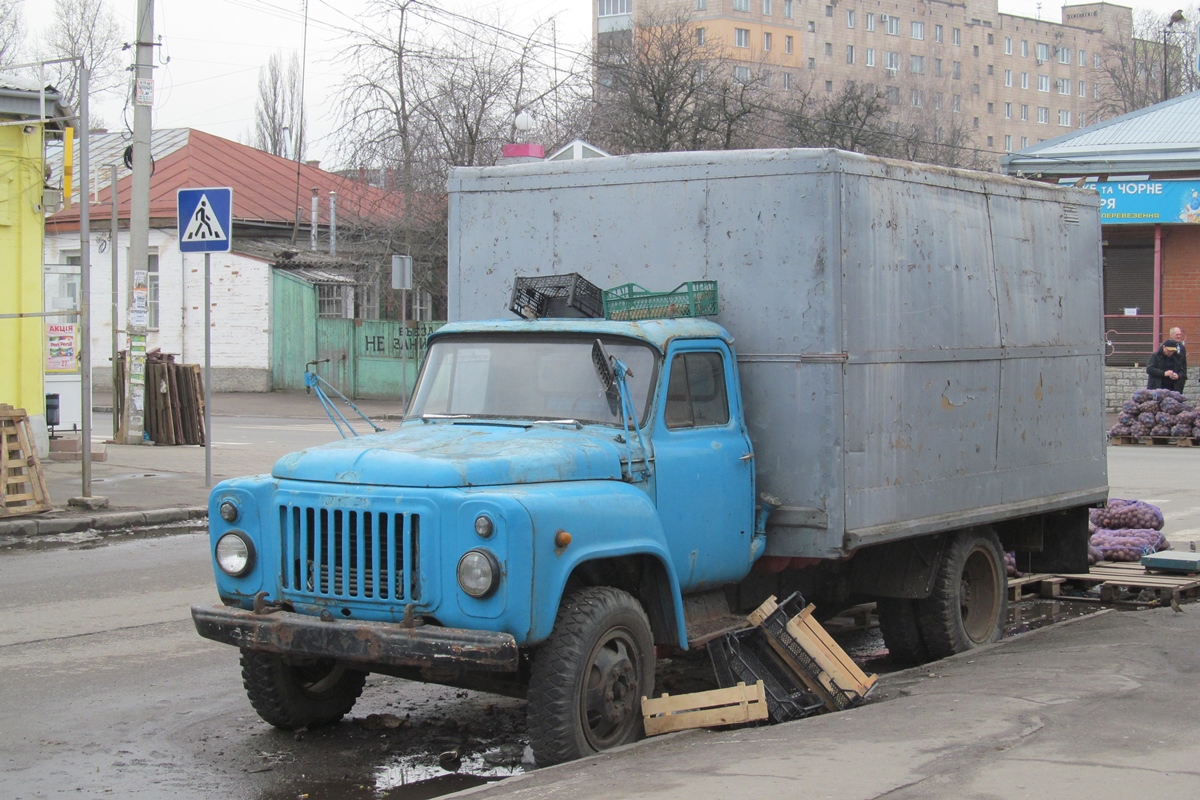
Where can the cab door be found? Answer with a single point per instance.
(704, 466)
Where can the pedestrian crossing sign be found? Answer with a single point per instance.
(205, 219)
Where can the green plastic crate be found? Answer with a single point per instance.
(632, 302)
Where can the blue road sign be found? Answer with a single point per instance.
(205, 219)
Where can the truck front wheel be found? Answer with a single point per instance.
(588, 678)
(302, 694)
(970, 596)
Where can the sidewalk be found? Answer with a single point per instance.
(153, 485)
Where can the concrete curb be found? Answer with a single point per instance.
(112, 520)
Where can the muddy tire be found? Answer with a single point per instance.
(589, 677)
(901, 632)
(970, 596)
(301, 695)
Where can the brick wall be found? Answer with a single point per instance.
(1181, 278)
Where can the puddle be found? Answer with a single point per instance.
(413, 771)
(1029, 615)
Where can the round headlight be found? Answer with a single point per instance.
(478, 573)
(235, 554)
(229, 511)
(484, 526)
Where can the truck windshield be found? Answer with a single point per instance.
(529, 377)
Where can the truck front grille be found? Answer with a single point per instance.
(349, 554)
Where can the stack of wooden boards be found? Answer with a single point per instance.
(174, 399)
(800, 670)
(22, 485)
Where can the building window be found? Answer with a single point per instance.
(991, 37)
(1024, 80)
(701, 5)
(991, 142)
(766, 8)
(1024, 114)
(1096, 60)
(870, 56)
(975, 50)
(870, 22)
(916, 65)
(812, 26)
(1008, 142)
(1082, 89)
(829, 86)
(812, 63)
(331, 301)
(991, 108)
(937, 101)
(1043, 83)
(956, 104)
(975, 122)
(937, 33)
(787, 44)
(1008, 110)
(892, 94)
(741, 74)
(891, 61)
(975, 88)
(1043, 115)
(152, 291)
(1024, 49)
(1008, 45)
(741, 37)
(766, 40)
(1024, 142)
(955, 37)
(893, 25)
(991, 70)
(741, 5)
(849, 54)
(829, 11)
(956, 70)
(1008, 78)
(1064, 55)
(611, 8)
(1043, 53)
(937, 67)
(1063, 85)
(850, 18)
(829, 48)
(918, 30)
(918, 98)
(1064, 118)
(700, 36)
(787, 80)
(787, 12)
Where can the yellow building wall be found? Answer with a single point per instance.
(21, 290)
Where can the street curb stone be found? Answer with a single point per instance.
(108, 521)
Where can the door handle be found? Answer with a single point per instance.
(747, 457)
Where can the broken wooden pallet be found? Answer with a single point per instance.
(1113, 578)
(1037, 585)
(22, 484)
(732, 706)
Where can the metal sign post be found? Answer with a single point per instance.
(206, 226)
(402, 280)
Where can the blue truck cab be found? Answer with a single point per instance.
(555, 490)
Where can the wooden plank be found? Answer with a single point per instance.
(732, 706)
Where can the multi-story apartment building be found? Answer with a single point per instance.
(1015, 81)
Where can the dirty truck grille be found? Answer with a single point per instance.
(349, 554)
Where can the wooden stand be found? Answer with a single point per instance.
(731, 706)
(22, 485)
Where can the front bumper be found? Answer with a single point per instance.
(364, 643)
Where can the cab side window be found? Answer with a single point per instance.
(696, 395)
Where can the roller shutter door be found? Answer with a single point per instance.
(1129, 283)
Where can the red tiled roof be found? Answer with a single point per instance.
(264, 188)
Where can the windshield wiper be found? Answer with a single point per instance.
(578, 425)
(428, 417)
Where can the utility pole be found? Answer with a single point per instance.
(133, 420)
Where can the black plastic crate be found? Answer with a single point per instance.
(746, 657)
(570, 295)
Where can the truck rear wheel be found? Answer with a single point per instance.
(901, 632)
(588, 678)
(970, 596)
(299, 695)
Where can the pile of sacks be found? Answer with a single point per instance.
(1156, 412)
(1125, 530)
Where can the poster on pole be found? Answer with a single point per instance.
(62, 351)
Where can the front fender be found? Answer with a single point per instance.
(606, 519)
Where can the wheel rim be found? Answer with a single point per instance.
(979, 596)
(318, 678)
(611, 689)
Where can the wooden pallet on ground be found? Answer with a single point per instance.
(1160, 441)
(732, 706)
(1114, 578)
(1034, 585)
(22, 484)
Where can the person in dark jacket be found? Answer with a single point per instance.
(1167, 369)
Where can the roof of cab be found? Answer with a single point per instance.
(656, 332)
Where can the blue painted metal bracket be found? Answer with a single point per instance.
(315, 383)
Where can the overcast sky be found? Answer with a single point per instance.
(216, 48)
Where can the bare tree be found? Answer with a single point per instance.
(86, 29)
(1131, 72)
(279, 109)
(12, 31)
